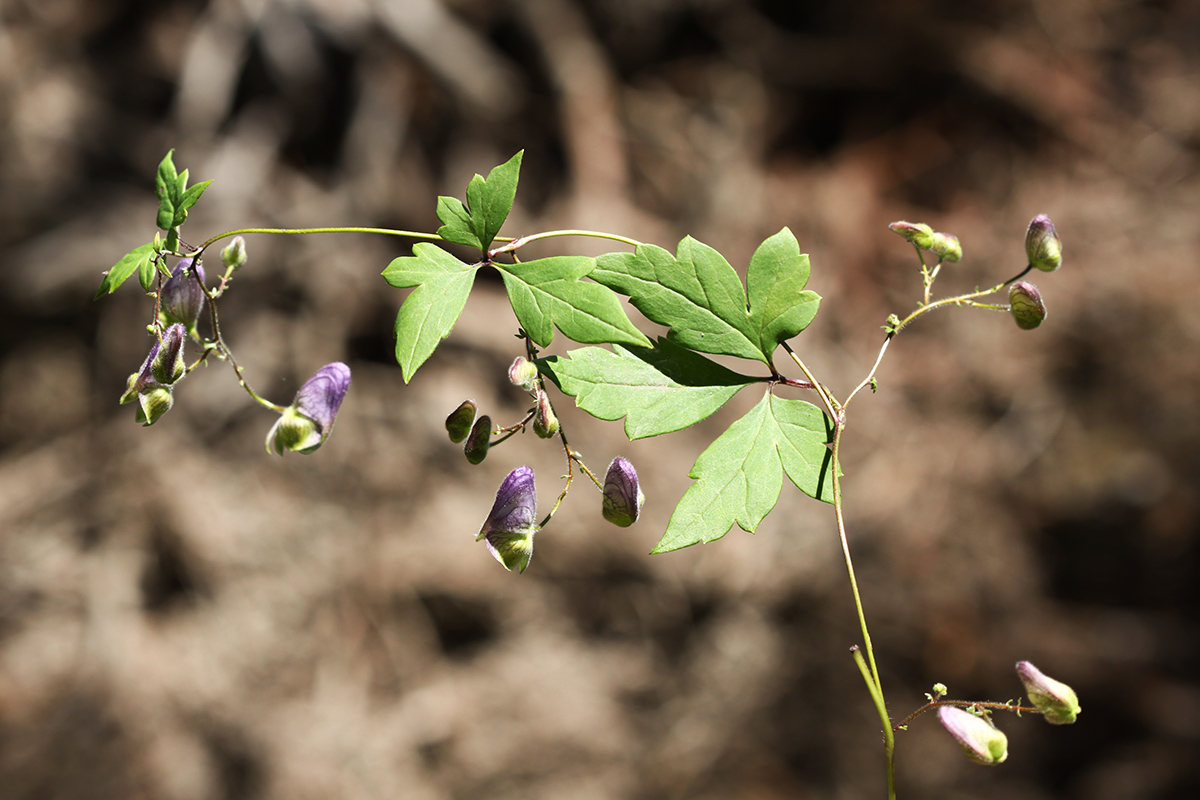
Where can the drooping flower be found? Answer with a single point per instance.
(522, 372)
(545, 422)
(918, 233)
(154, 398)
(1042, 245)
(946, 246)
(980, 740)
(1058, 702)
(510, 525)
(623, 496)
(182, 299)
(1026, 305)
(305, 424)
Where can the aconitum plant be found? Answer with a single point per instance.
(795, 430)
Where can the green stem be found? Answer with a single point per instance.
(521, 241)
(348, 229)
(889, 734)
(932, 704)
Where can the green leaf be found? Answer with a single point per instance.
(430, 311)
(490, 200)
(549, 292)
(166, 186)
(488, 203)
(657, 390)
(189, 199)
(146, 272)
(130, 263)
(695, 292)
(740, 475)
(780, 308)
(456, 222)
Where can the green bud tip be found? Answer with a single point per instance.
(946, 247)
(153, 401)
(1042, 245)
(234, 254)
(1058, 702)
(545, 423)
(479, 440)
(980, 740)
(1026, 305)
(523, 373)
(918, 233)
(458, 424)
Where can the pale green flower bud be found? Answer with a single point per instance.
(545, 423)
(1025, 303)
(979, 739)
(479, 440)
(153, 401)
(918, 233)
(234, 254)
(1042, 245)
(523, 373)
(458, 424)
(946, 247)
(1057, 701)
(168, 365)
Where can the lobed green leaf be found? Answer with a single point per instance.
(780, 307)
(456, 222)
(657, 390)
(130, 263)
(490, 200)
(739, 476)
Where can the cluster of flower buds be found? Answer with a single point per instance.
(943, 245)
(305, 424)
(980, 739)
(152, 384)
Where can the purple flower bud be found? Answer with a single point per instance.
(1042, 245)
(234, 254)
(918, 233)
(305, 424)
(980, 740)
(623, 496)
(545, 423)
(458, 424)
(1025, 303)
(168, 365)
(512, 522)
(154, 399)
(946, 247)
(1058, 702)
(479, 440)
(523, 373)
(182, 299)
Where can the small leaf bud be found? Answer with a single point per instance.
(918, 233)
(523, 373)
(1058, 702)
(545, 423)
(478, 441)
(623, 496)
(946, 247)
(980, 740)
(1042, 245)
(168, 365)
(153, 401)
(182, 299)
(510, 525)
(458, 424)
(1026, 305)
(306, 423)
(234, 254)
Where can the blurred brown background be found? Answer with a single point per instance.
(183, 617)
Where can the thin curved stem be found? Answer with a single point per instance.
(347, 229)
(932, 704)
(521, 241)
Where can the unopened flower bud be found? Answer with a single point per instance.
(182, 299)
(946, 247)
(1058, 702)
(523, 373)
(458, 424)
(1042, 245)
(980, 740)
(306, 423)
(478, 441)
(918, 233)
(234, 254)
(154, 401)
(623, 496)
(1025, 302)
(545, 423)
(168, 365)
(512, 522)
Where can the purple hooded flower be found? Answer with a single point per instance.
(510, 525)
(168, 365)
(182, 299)
(1058, 702)
(305, 424)
(979, 739)
(154, 398)
(623, 496)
